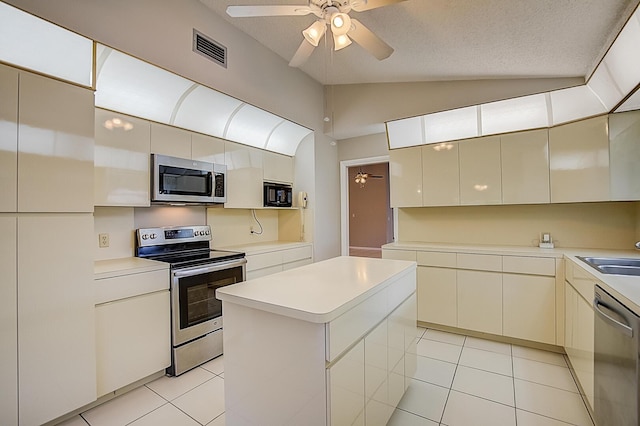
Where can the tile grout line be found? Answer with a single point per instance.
(446, 401)
(513, 381)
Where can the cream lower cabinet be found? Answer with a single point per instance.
(579, 327)
(436, 288)
(8, 139)
(121, 172)
(56, 331)
(346, 388)
(8, 322)
(133, 339)
(529, 310)
(277, 260)
(480, 301)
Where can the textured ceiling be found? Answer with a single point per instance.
(453, 39)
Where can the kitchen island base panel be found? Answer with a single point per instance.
(273, 361)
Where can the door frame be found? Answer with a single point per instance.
(344, 197)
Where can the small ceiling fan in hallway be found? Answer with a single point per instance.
(331, 13)
(361, 177)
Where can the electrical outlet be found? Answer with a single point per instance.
(103, 240)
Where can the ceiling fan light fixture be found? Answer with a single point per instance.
(340, 23)
(314, 33)
(340, 41)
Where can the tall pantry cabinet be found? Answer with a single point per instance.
(47, 327)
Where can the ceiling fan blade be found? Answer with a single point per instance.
(362, 5)
(302, 54)
(369, 41)
(250, 11)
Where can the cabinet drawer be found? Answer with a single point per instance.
(115, 288)
(299, 253)
(296, 264)
(584, 283)
(399, 254)
(432, 258)
(479, 262)
(257, 273)
(529, 265)
(263, 260)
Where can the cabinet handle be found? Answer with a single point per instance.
(625, 329)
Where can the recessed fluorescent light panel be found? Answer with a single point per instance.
(527, 112)
(444, 126)
(35, 44)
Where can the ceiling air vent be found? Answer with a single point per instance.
(209, 48)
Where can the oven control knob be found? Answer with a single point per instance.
(145, 236)
(153, 236)
(197, 233)
(207, 232)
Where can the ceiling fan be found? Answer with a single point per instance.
(332, 13)
(361, 177)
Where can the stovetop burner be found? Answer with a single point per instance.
(180, 246)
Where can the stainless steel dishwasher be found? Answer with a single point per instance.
(616, 362)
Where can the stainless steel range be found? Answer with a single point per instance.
(196, 272)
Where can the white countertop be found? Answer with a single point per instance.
(476, 248)
(125, 266)
(318, 292)
(264, 247)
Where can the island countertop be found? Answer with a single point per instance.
(319, 292)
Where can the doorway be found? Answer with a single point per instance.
(367, 219)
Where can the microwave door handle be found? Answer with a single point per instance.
(623, 328)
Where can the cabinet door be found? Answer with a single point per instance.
(55, 146)
(624, 149)
(376, 376)
(8, 139)
(277, 167)
(121, 160)
(172, 141)
(525, 167)
(529, 307)
(346, 388)
(405, 177)
(480, 175)
(8, 322)
(480, 301)
(583, 361)
(56, 324)
(440, 175)
(207, 148)
(244, 176)
(437, 296)
(579, 161)
(122, 356)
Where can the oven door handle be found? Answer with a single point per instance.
(623, 328)
(188, 272)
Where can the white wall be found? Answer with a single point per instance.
(327, 203)
(375, 145)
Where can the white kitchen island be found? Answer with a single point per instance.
(331, 343)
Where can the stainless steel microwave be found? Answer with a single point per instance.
(180, 180)
(277, 195)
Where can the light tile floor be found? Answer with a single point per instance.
(460, 381)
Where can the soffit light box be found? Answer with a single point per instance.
(132, 86)
(617, 75)
(35, 44)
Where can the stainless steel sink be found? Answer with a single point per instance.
(613, 265)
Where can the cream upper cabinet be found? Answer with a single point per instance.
(525, 167)
(171, 141)
(8, 139)
(480, 175)
(624, 151)
(244, 176)
(440, 175)
(56, 324)
(277, 167)
(55, 146)
(405, 171)
(207, 148)
(579, 161)
(121, 170)
(8, 322)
